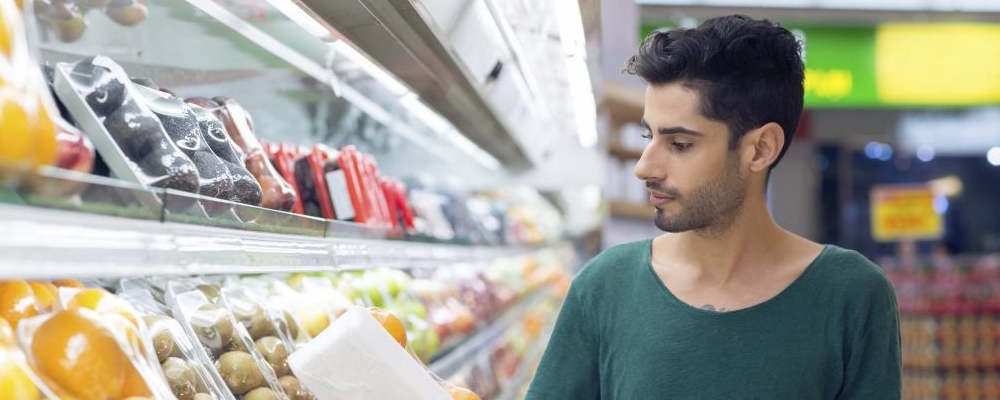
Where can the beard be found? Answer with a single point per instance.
(712, 206)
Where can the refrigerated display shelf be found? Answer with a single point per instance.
(518, 384)
(449, 361)
(43, 243)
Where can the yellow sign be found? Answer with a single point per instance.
(940, 63)
(832, 84)
(904, 212)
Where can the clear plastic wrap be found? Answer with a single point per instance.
(181, 125)
(186, 376)
(246, 190)
(225, 342)
(88, 354)
(125, 131)
(271, 332)
(27, 112)
(277, 194)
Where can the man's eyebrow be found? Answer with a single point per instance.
(673, 130)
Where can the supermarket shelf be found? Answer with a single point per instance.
(454, 359)
(399, 36)
(525, 371)
(40, 242)
(626, 209)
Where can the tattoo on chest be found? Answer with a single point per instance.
(709, 307)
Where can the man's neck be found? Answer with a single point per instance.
(718, 257)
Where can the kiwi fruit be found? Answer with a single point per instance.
(261, 394)
(213, 326)
(240, 372)
(210, 291)
(276, 354)
(293, 388)
(163, 340)
(236, 345)
(180, 377)
(256, 321)
(293, 325)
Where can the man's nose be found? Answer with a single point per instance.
(646, 168)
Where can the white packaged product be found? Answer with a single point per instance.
(354, 358)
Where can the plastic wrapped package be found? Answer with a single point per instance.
(284, 157)
(27, 112)
(182, 127)
(246, 190)
(17, 380)
(125, 131)
(187, 378)
(367, 356)
(271, 333)
(90, 355)
(125, 323)
(225, 343)
(277, 194)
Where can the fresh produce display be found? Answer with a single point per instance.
(67, 19)
(182, 126)
(27, 112)
(139, 143)
(232, 338)
(246, 190)
(277, 194)
(225, 342)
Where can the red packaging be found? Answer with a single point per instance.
(390, 197)
(284, 156)
(349, 163)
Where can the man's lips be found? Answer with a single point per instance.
(658, 199)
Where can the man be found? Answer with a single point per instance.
(726, 304)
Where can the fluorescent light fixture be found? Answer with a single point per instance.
(391, 83)
(294, 11)
(446, 130)
(265, 41)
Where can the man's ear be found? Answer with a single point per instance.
(766, 143)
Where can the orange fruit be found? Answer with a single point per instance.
(391, 323)
(77, 353)
(460, 393)
(44, 132)
(6, 334)
(134, 385)
(68, 283)
(45, 294)
(17, 301)
(14, 382)
(102, 301)
(16, 139)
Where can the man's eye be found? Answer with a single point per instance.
(647, 135)
(681, 145)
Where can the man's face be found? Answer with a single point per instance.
(694, 180)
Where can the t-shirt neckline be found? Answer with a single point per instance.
(648, 260)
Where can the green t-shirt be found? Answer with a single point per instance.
(621, 335)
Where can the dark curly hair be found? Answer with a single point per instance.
(748, 72)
